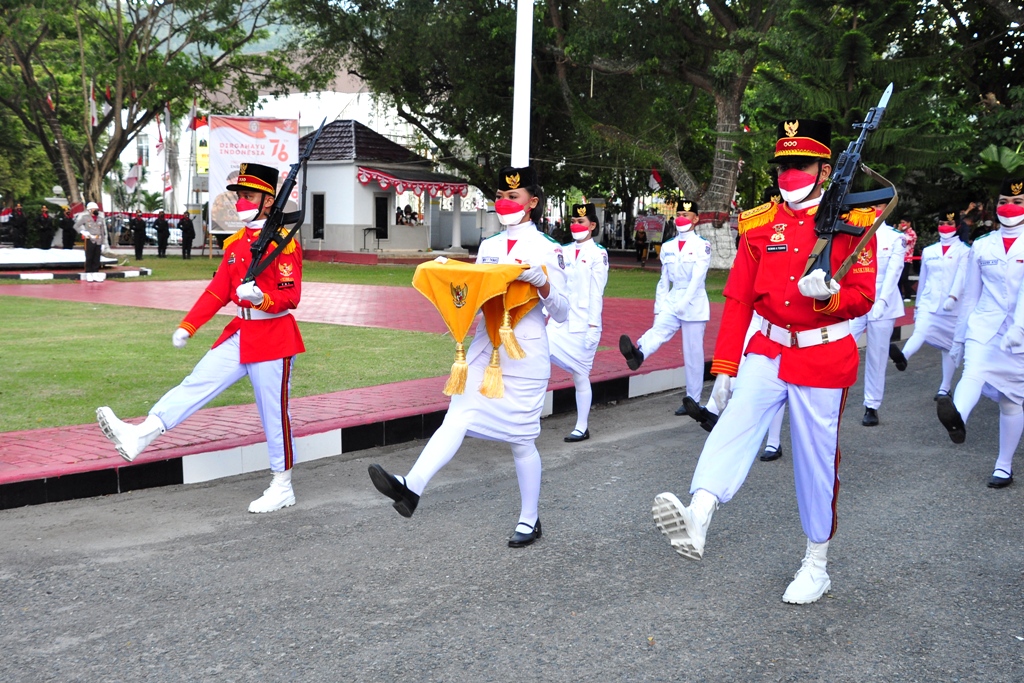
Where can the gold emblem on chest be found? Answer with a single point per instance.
(780, 232)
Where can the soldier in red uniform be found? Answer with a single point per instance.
(259, 342)
(803, 354)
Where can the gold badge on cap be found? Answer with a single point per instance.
(459, 294)
(791, 128)
(1015, 188)
(687, 206)
(777, 198)
(581, 211)
(950, 216)
(241, 168)
(513, 181)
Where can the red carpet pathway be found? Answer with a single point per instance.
(50, 463)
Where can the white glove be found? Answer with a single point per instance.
(815, 287)
(956, 353)
(180, 337)
(949, 304)
(248, 291)
(593, 338)
(534, 275)
(878, 308)
(1013, 337)
(722, 391)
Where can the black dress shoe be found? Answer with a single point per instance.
(997, 482)
(634, 357)
(575, 436)
(770, 455)
(940, 395)
(704, 417)
(896, 354)
(520, 539)
(951, 419)
(870, 418)
(405, 500)
(681, 410)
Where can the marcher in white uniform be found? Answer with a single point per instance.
(989, 335)
(881, 319)
(681, 302)
(515, 418)
(573, 342)
(937, 304)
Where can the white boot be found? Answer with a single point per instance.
(278, 495)
(99, 277)
(129, 439)
(811, 581)
(685, 527)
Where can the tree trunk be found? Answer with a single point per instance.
(718, 196)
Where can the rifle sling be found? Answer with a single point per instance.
(847, 263)
(283, 242)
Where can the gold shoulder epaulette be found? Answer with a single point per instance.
(283, 232)
(232, 238)
(756, 217)
(861, 218)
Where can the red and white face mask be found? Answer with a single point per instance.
(1010, 215)
(579, 232)
(947, 230)
(795, 185)
(509, 212)
(246, 210)
(683, 224)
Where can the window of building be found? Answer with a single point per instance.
(142, 146)
(318, 216)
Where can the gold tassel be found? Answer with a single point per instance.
(456, 383)
(493, 386)
(508, 338)
(861, 218)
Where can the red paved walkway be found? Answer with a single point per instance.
(35, 454)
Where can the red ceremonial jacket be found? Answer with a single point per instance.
(281, 284)
(770, 260)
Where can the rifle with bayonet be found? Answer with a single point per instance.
(278, 217)
(838, 200)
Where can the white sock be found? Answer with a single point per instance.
(1011, 426)
(584, 397)
(528, 471)
(968, 392)
(436, 454)
(913, 345)
(948, 368)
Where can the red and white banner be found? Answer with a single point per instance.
(417, 187)
(236, 140)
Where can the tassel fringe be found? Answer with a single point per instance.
(456, 383)
(508, 338)
(756, 217)
(861, 218)
(493, 386)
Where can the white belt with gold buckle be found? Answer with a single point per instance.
(805, 338)
(257, 314)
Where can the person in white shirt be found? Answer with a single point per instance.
(680, 303)
(989, 336)
(938, 294)
(514, 418)
(573, 342)
(881, 319)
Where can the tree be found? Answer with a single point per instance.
(55, 58)
(24, 170)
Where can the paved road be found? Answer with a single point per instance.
(180, 584)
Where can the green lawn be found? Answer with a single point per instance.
(622, 283)
(62, 360)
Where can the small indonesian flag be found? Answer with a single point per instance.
(654, 182)
(168, 186)
(5, 215)
(131, 180)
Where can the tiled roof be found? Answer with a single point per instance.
(350, 140)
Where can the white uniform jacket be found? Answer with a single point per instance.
(992, 282)
(536, 248)
(587, 274)
(938, 276)
(892, 248)
(683, 270)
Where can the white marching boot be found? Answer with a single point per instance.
(685, 527)
(811, 580)
(129, 439)
(278, 495)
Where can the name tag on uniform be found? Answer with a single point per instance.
(990, 262)
(489, 259)
(777, 247)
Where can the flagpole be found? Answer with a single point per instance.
(521, 85)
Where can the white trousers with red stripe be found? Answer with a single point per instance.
(734, 443)
(218, 370)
